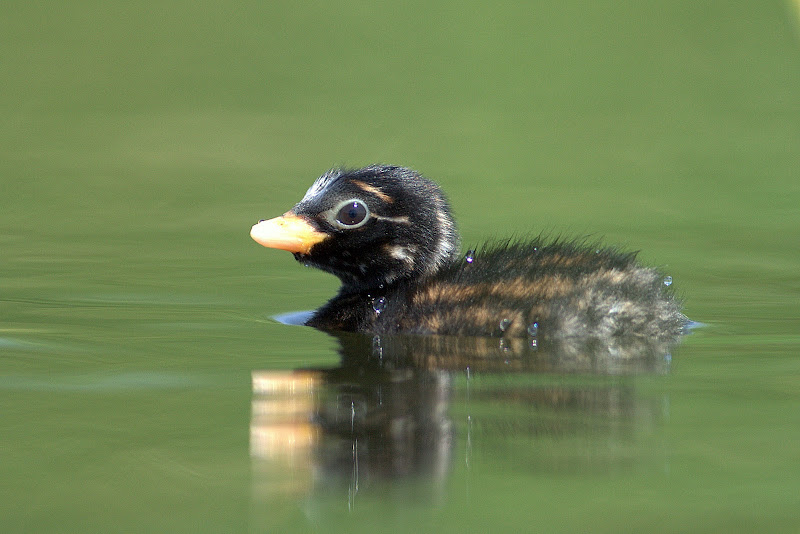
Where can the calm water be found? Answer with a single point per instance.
(146, 386)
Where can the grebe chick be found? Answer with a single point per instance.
(388, 234)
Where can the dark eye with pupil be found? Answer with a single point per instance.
(352, 213)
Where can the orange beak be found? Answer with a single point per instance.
(288, 232)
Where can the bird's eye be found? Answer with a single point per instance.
(351, 214)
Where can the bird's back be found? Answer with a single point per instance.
(540, 288)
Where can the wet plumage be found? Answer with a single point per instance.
(387, 233)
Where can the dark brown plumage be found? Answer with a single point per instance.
(387, 233)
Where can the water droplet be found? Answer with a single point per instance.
(379, 304)
(470, 257)
(504, 324)
(533, 329)
(668, 281)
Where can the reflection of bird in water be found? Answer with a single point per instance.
(395, 407)
(387, 233)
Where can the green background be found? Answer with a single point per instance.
(139, 142)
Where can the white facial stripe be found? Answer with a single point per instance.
(399, 252)
(320, 185)
(400, 220)
(447, 243)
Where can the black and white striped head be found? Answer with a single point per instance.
(371, 227)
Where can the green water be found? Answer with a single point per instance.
(139, 144)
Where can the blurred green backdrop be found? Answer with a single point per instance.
(139, 142)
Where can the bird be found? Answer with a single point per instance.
(389, 235)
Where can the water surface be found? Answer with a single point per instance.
(146, 386)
